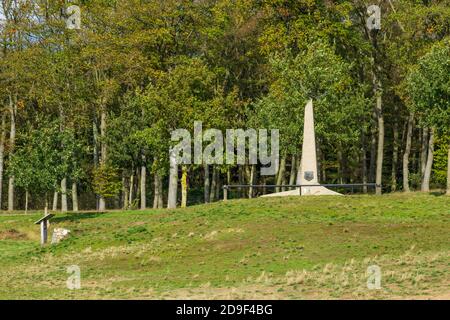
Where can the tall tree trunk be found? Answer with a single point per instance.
(160, 193)
(64, 195)
(184, 186)
(284, 181)
(373, 150)
(26, 200)
(158, 197)
(251, 191)
(102, 202)
(264, 183)
(125, 195)
(378, 110)
(2, 155)
(46, 204)
(95, 153)
(130, 193)
(74, 197)
(103, 134)
(423, 152)
(319, 159)
(247, 172)
(12, 142)
(281, 172)
(138, 186)
(173, 183)
(380, 149)
(427, 174)
(293, 172)
(55, 201)
(363, 160)
(323, 169)
(299, 178)
(407, 153)
(241, 179)
(394, 158)
(156, 188)
(228, 178)
(206, 183)
(96, 158)
(143, 186)
(64, 180)
(218, 184)
(212, 194)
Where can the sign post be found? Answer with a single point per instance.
(44, 227)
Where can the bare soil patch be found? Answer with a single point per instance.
(12, 234)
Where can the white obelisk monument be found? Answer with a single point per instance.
(308, 167)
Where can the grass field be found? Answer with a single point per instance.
(272, 248)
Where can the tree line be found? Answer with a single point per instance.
(87, 113)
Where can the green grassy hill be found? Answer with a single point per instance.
(290, 248)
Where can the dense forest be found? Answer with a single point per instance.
(87, 112)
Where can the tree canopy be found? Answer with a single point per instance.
(92, 109)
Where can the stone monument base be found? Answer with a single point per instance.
(306, 191)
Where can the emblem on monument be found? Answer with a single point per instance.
(309, 175)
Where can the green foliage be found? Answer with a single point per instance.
(36, 163)
(319, 74)
(106, 181)
(440, 163)
(429, 87)
(177, 98)
(145, 68)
